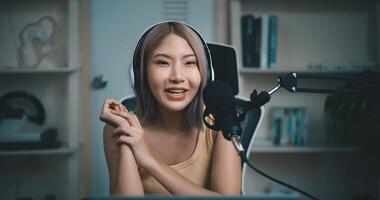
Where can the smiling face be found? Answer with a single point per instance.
(173, 73)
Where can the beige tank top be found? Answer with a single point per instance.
(197, 168)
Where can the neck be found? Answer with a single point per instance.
(172, 121)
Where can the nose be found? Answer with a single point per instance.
(176, 75)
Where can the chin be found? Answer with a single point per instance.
(176, 107)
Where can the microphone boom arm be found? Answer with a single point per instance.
(290, 80)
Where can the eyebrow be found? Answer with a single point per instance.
(167, 56)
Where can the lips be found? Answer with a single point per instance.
(176, 90)
(176, 93)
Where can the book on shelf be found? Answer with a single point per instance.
(264, 41)
(250, 55)
(289, 126)
(272, 47)
(259, 40)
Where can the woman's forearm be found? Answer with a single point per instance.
(128, 181)
(174, 182)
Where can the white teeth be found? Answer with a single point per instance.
(176, 91)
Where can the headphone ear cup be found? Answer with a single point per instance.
(134, 69)
(210, 72)
(132, 76)
(210, 69)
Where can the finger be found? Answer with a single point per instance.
(124, 108)
(123, 139)
(137, 120)
(105, 105)
(128, 116)
(109, 104)
(113, 106)
(114, 120)
(128, 131)
(112, 101)
(116, 106)
(111, 118)
(117, 141)
(115, 135)
(117, 132)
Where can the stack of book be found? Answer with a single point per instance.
(289, 126)
(259, 40)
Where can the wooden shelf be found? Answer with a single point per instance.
(272, 196)
(286, 70)
(15, 70)
(57, 86)
(304, 149)
(40, 152)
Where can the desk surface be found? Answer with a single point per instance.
(192, 197)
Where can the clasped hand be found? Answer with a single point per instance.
(127, 130)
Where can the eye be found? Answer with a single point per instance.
(191, 63)
(162, 63)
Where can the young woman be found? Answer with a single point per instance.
(164, 148)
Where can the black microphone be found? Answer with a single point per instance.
(220, 113)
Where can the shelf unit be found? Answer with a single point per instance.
(301, 24)
(275, 196)
(304, 149)
(285, 70)
(37, 173)
(310, 32)
(15, 71)
(44, 152)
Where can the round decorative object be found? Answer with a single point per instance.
(16, 104)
